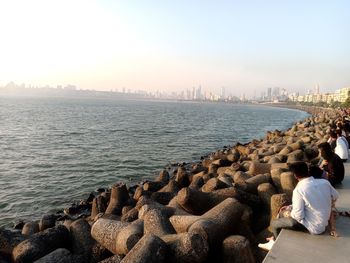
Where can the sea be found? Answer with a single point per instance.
(55, 151)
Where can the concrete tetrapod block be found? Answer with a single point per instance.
(252, 183)
(47, 221)
(163, 197)
(178, 210)
(219, 222)
(285, 151)
(119, 197)
(128, 237)
(182, 177)
(276, 178)
(241, 177)
(81, 239)
(157, 223)
(163, 176)
(256, 168)
(242, 196)
(236, 249)
(168, 211)
(197, 202)
(265, 192)
(172, 187)
(288, 183)
(112, 259)
(153, 186)
(30, 228)
(197, 181)
(139, 192)
(40, 244)
(194, 201)
(181, 223)
(295, 156)
(150, 248)
(186, 247)
(99, 253)
(105, 232)
(9, 239)
(60, 255)
(131, 215)
(98, 206)
(213, 184)
(277, 201)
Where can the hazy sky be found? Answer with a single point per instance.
(245, 46)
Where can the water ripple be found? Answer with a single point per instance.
(56, 151)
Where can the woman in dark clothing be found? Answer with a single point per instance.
(331, 164)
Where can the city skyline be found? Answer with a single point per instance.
(242, 46)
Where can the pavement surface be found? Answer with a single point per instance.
(293, 246)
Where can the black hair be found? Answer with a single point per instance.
(315, 171)
(326, 151)
(333, 134)
(300, 169)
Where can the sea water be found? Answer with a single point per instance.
(57, 150)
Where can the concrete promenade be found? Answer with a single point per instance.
(293, 246)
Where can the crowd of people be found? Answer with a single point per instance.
(314, 197)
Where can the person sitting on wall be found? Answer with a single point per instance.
(311, 205)
(333, 139)
(342, 146)
(332, 165)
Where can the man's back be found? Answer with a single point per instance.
(312, 201)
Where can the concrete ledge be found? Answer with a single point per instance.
(293, 246)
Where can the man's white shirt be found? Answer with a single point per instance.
(312, 203)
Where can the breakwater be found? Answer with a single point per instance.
(216, 209)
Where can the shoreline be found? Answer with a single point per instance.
(239, 181)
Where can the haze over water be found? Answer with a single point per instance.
(54, 151)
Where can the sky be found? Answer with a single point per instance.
(244, 46)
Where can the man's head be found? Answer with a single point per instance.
(325, 151)
(333, 134)
(300, 169)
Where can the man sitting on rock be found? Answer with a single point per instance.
(311, 205)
